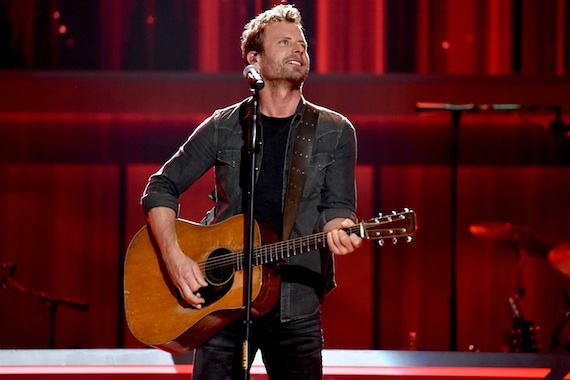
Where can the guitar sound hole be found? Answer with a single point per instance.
(219, 268)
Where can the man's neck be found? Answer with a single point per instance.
(278, 103)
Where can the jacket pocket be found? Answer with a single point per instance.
(228, 168)
(316, 176)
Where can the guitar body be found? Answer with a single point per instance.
(159, 317)
(155, 312)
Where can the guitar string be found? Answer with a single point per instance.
(273, 249)
(296, 246)
(266, 251)
(265, 254)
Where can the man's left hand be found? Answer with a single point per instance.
(339, 242)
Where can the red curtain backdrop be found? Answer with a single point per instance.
(72, 182)
(469, 37)
(77, 146)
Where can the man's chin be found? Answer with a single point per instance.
(299, 78)
(297, 83)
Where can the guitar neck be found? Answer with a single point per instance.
(275, 252)
(392, 226)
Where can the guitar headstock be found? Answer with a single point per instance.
(394, 226)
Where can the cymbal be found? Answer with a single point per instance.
(559, 258)
(499, 231)
(513, 235)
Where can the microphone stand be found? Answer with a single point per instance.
(8, 282)
(252, 148)
(456, 117)
(456, 113)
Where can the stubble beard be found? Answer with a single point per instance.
(287, 78)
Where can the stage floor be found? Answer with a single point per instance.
(338, 364)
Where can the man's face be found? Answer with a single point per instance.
(285, 57)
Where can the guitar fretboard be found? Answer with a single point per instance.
(393, 226)
(271, 253)
(274, 252)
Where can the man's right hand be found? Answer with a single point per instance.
(186, 275)
(185, 272)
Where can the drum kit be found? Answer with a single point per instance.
(523, 334)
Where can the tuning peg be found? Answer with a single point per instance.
(394, 240)
(381, 242)
(409, 239)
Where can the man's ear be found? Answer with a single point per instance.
(252, 57)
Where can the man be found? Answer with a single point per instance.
(289, 336)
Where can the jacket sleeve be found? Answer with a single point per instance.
(190, 162)
(338, 194)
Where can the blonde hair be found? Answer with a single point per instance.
(252, 36)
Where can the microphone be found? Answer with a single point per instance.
(557, 125)
(253, 77)
(6, 272)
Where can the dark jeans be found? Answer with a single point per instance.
(290, 350)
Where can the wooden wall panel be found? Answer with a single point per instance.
(60, 225)
(76, 150)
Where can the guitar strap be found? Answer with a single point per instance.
(298, 168)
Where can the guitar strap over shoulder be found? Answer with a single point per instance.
(298, 168)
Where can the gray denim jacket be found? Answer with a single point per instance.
(329, 192)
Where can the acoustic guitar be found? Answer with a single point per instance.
(158, 316)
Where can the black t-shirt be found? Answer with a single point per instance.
(268, 203)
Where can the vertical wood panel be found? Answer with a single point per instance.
(498, 42)
(60, 225)
(423, 33)
(461, 34)
(415, 278)
(321, 60)
(208, 36)
(348, 317)
(562, 38)
(350, 38)
(379, 65)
